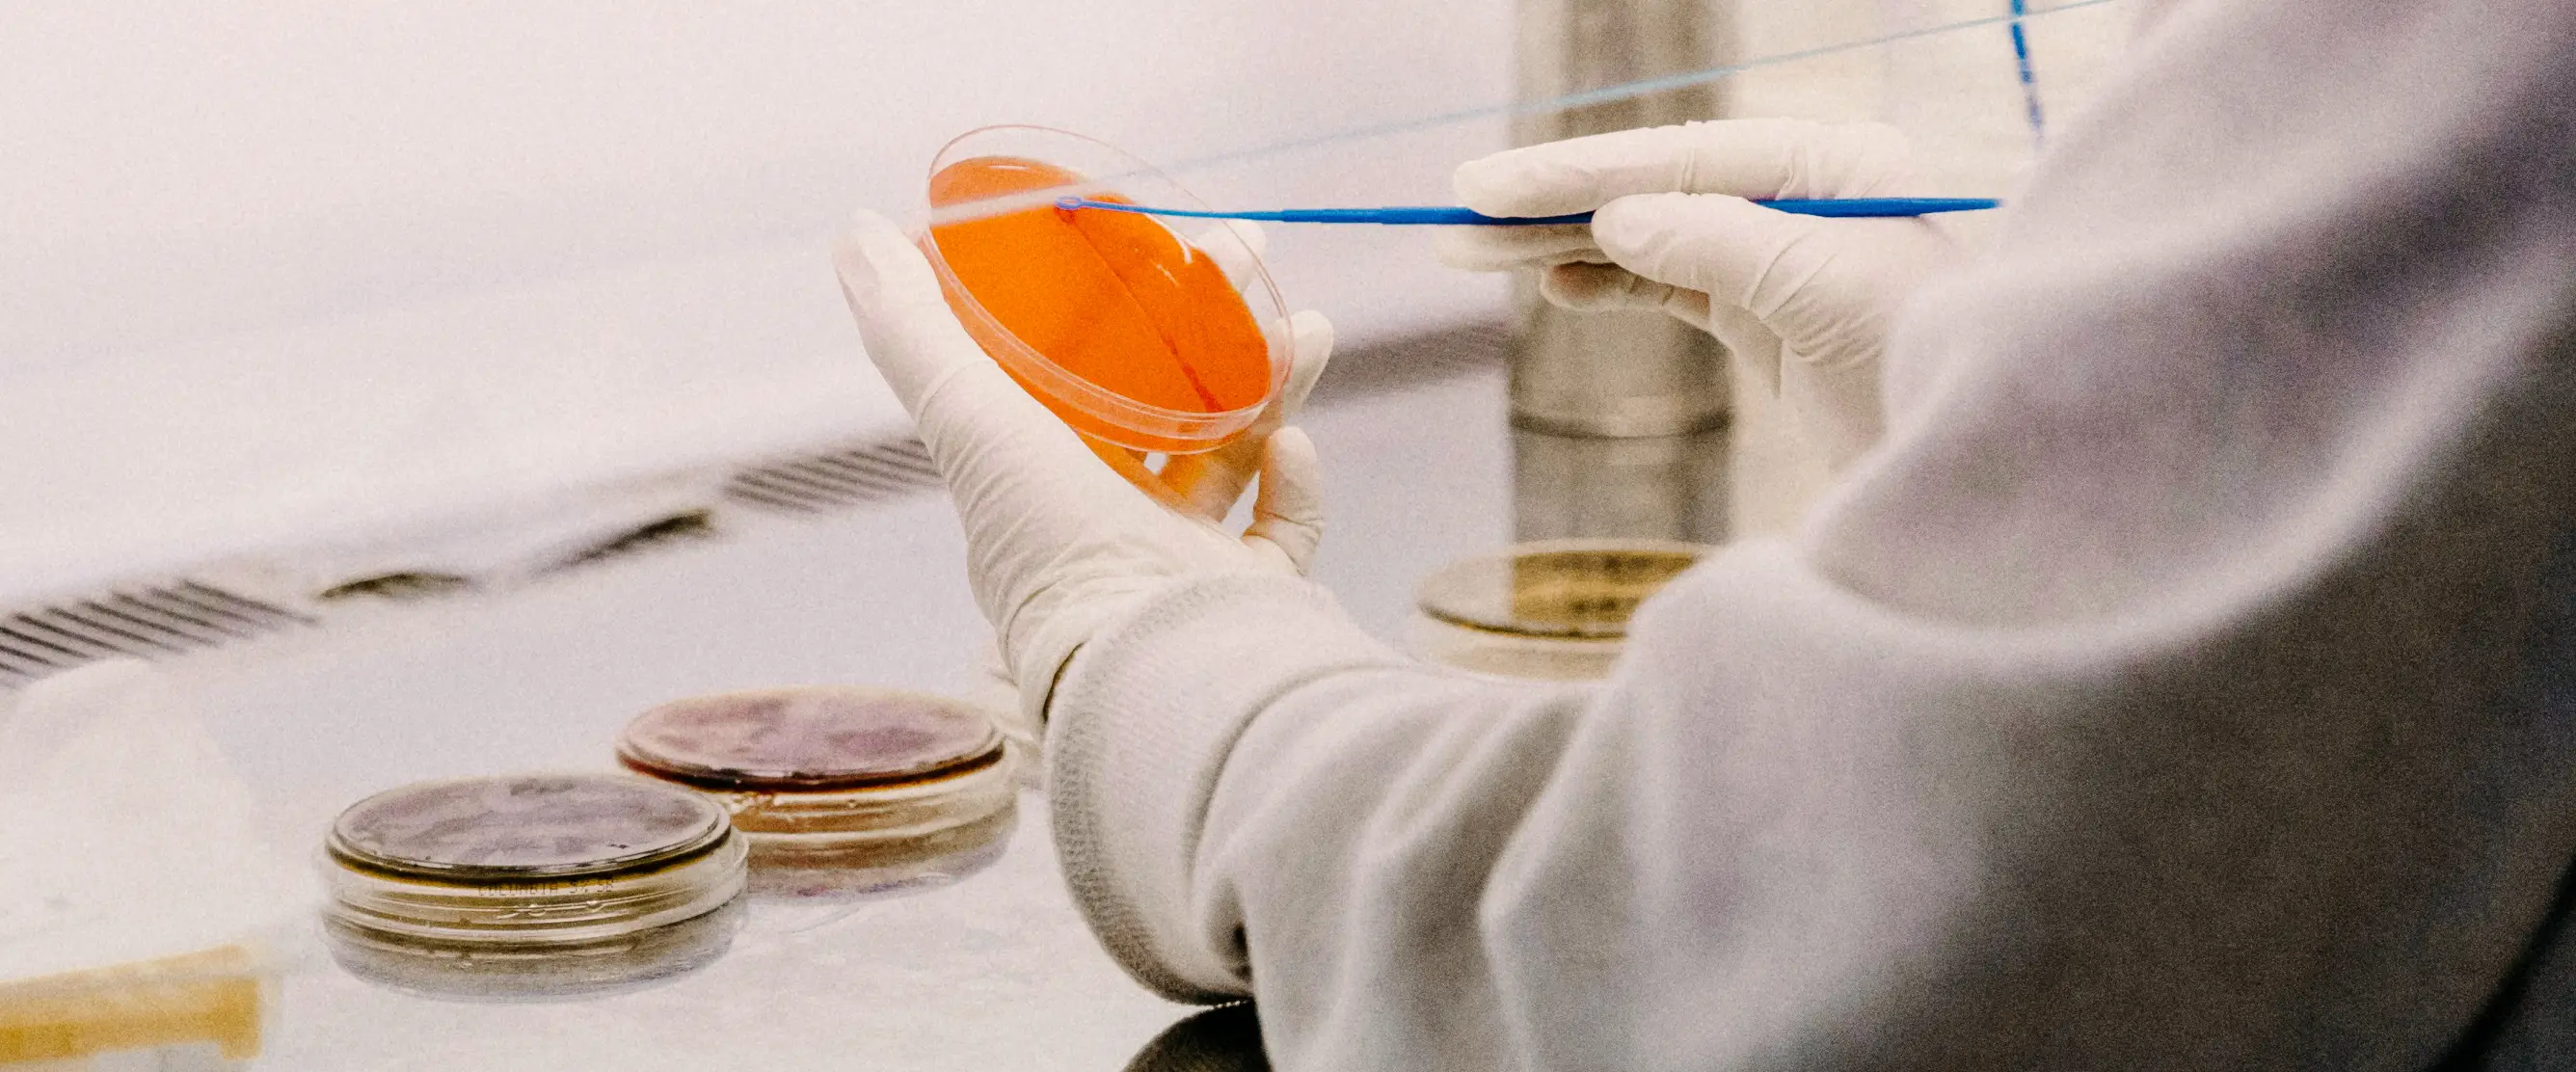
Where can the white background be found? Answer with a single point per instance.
(284, 273)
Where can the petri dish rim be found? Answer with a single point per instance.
(708, 836)
(989, 750)
(450, 969)
(1500, 561)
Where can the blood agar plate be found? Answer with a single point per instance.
(531, 885)
(839, 789)
(1555, 609)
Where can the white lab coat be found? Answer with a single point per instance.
(2188, 681)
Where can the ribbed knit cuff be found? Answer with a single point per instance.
(1142, 723)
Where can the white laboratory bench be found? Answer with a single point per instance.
(993, 972)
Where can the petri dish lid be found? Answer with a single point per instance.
(1091, 168)
(527, 827)
(1563, 589)
(816, 739)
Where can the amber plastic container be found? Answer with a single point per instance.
(207, 1009)
(839, 789)
(1121, 324)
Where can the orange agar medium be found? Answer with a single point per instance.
(1115, 300)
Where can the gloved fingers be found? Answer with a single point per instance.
(1310, 349)
(1288, 515)
(1827, 288)
(1608, 286)
(1211, 482)
(1235, 245)
(1756, 158)
(1754, 347)
(998, 695)
(1599, 287)
(1019, 478)
(911, 335)
(1208, 484)
(1500, 249)
(1737, 252)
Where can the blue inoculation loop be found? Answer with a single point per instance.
(1878, 207)
(1391, 215)
(2021, 65)
(1445, 215)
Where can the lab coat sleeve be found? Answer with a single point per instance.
(2186, 683)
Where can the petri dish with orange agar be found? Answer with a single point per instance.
(1130, 331)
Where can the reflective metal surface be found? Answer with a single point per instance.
(1656, 487)
(1622, 373)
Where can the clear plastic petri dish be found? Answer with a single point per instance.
(1124, 326)
(485, 972)
(839, 789)
(530, 885)
(1550, 610)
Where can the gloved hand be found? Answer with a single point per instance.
(1804, 302)
(1058, 543)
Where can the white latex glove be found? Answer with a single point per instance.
(1058, 543)
(1804, 302)
(1209, 483)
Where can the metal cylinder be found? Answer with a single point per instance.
(1650, 487)
(1616, 374)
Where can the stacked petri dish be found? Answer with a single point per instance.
(531, 886)
(840, 789)
(1550, 610)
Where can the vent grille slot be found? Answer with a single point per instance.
(813, 483)
(677, 529)
(187, 615)
(167, 620)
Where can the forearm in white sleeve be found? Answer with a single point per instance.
(2189, 681)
